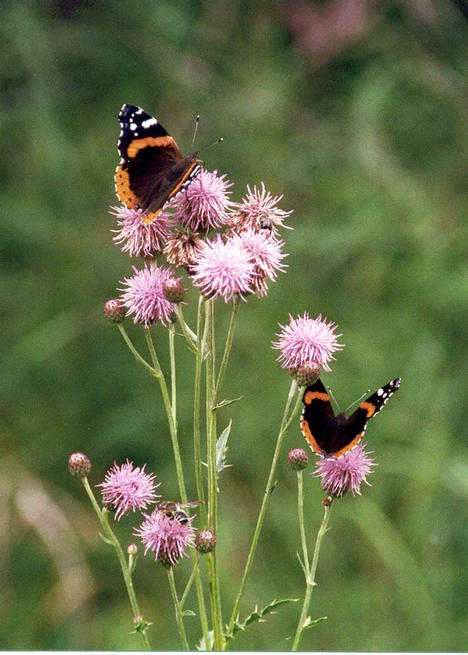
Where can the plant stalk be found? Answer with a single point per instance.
(127, 576)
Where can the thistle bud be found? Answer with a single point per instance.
(298, 459)
(305, 375)
(205, 541)
(114, 310)
(174, 291)
(132, 549)
(79, 464)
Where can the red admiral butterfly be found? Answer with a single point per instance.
(333, 436)
(152, 169)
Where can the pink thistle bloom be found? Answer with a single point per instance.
(144, 295)
(258, 211)
(223, 269)
(265, 253)
(307, 342)
(138, 238)
(128, 488)
(204, 204)
(346, 472)
(166, 537)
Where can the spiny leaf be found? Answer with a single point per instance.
(221, 448)
(224, 403)
(309, 623)
(257, 615)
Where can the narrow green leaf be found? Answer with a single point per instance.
(309, 623)
(257, 615)
(221, 448)
(224, 403)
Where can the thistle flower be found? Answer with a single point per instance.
(346, 472)
(265, 254)
(183, 248)
(144, 295)
(307, 342)
(223, 269)
(204, 204)
(166, 537)
(258, 211)
(140, 239)
(127, 488)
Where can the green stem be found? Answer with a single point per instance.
(228, 345)
(310, 578)
(197, 456)
(189, 584)
(135, 352)
(300, 513)
(173, 374)
(178, 609)
(178, 462)
(190, 337)
(170, 415)
(288, 415)
(215, 596)
(127, 576)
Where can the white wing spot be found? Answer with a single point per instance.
(149, 122)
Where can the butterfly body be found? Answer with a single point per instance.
(331, 435)
(152, 169)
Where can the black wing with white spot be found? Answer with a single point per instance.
(370, 407)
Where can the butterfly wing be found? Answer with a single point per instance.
(356, 424)
(316, 417)
(152, 169)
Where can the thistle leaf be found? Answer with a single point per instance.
(224, 403)
(221, 449)
(309, 623)
(257, 615)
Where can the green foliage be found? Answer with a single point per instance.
(367, 141)
(257, 616)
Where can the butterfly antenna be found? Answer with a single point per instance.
(215, 143)
(329, 389)
(358, 400)
(197, 120)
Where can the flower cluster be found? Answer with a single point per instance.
(127, 488)
(228, 249)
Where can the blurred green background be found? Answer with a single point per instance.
(356, 112)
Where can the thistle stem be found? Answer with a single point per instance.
(215, 597)
(300, 513)
(310, 576)
(135, 352)
(178, 609)
(190, 337)
(228, 345)
(288, 415)
(170, 415)
(196, 412)
(126, 572)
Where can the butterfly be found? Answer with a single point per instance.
(333, 436)
(152, 170)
